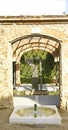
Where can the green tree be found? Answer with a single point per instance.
(48, 66)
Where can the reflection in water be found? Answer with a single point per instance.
(41, 112)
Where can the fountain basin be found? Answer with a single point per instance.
(26, 115)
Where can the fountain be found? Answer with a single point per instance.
(35, 110)
(36, 114)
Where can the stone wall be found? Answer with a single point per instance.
(6, 88)
(12, 28)
(64, 74)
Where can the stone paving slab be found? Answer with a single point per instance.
(31, 100)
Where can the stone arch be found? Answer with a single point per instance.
(12, 27)
(34, 41)
(29, 49)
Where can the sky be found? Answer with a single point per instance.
(66, 7)
(33, 7)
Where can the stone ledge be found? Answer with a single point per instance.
(36, 19)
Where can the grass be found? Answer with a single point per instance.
(54, 93)
(22, 93)
(18, 93)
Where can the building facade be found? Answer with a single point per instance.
(21, 34)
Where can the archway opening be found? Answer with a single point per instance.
(39, 74)
(23, 45)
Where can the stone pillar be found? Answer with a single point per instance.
(18, 73)
(6, 87)
(14, 74)
(64, 76)
(35, 78)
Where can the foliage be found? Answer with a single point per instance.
(34, 56)
(26, 73)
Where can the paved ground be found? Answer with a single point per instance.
(49, 87)
(31, 100)
(4, 122)
(5, 113)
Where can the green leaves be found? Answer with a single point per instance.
(48, 66)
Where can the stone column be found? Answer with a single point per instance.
(14, 74)
(6, 87)
(18, 73)
(64, 76)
